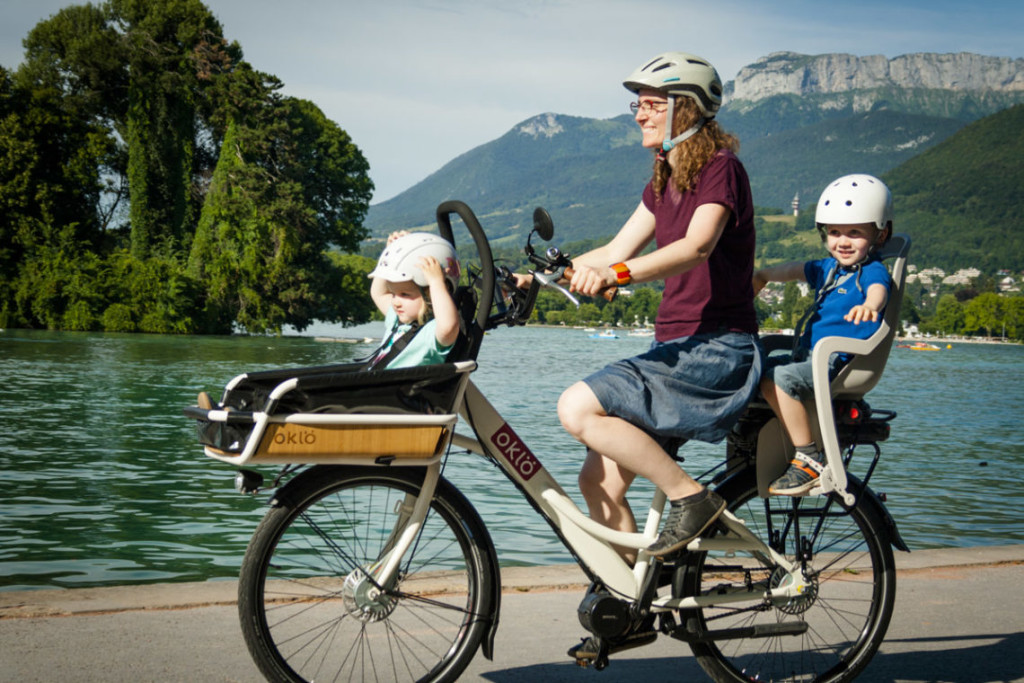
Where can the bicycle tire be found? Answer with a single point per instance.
(307, 610)
(846, 609)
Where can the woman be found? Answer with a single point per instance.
(706, 361)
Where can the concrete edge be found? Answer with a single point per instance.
(167, 596)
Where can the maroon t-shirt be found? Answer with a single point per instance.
(717, 295)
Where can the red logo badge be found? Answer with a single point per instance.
(516, 452)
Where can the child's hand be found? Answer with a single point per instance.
(431, 268)
(396, 234)
(523, 281)
(861, 313)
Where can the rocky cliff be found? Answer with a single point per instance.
(789, 73)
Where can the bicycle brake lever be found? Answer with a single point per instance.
(551, 280)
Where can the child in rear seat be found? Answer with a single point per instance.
(854, 217)
(415, 277)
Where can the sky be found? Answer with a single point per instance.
(418, 83)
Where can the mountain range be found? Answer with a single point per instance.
(802, 121)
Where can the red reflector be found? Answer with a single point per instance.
(854, 413)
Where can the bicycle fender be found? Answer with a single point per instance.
(866, 496)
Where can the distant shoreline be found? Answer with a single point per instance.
(900, 340)
(960, 340)
(934, 340)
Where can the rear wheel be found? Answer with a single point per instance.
(831, 631)
(310, 609)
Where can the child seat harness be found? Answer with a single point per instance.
(831, 282)
(385, 353)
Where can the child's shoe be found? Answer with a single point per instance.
(802, 475)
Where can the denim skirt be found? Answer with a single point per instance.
(688, 388)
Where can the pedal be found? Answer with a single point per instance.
(592, 651)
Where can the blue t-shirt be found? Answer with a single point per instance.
(851, 290)
(423, 349)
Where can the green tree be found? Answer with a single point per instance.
(133, 99)
(289, 184)
(163, 40)
(948, 318)
(984, 311)
(588, 313)
(53, 147)
(1014, 316)
(643, 305)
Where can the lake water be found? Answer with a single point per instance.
(103, 483)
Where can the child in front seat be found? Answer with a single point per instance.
(415, 276)
(854, 217)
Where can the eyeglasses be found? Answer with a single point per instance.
(648, 107)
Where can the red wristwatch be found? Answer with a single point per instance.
(622, 275)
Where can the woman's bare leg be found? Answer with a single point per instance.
(630, 447)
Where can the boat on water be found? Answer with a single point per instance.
(641, 332)
(919, 346)
(606, 334)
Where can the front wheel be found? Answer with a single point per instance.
(827, 634)
(310, 609)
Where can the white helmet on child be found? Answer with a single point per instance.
(400, 260)
(855, 198)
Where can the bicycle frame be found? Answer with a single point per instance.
(589, 541)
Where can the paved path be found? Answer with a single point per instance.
(958, 619)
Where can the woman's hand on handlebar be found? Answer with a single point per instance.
(590, 281)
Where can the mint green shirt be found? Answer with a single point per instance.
(422, 350)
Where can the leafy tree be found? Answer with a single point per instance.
(51, 147)
(160, 123)
(948, 318)
(1014, 317)
(984, 311)
(588, 313)
(134, 99)
(289, 184)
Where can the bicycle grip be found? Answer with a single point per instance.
(608, 292)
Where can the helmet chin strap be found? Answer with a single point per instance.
(671, 142)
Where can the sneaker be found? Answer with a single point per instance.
(802, 476)
(686, 522)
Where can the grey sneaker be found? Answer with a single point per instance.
(686, 522)
(802, 476)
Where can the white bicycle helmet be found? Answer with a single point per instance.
(680, 74)
(855, 198)
(400, 260)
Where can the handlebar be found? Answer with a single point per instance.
(608, 293)
(501, 302)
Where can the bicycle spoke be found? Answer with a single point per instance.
(313, 609)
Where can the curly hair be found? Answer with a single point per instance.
(692, 154)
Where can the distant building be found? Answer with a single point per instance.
(796, 204)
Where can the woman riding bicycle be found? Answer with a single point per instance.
(704, 366)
